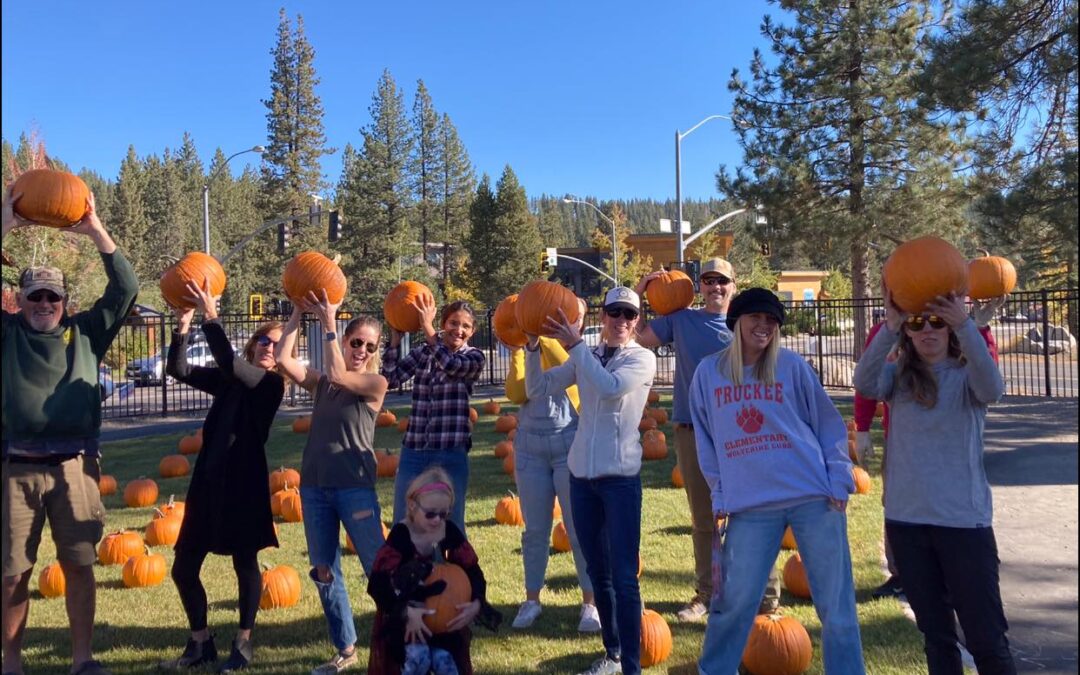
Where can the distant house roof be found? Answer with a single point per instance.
(144, 310)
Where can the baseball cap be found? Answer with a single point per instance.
(623, 297)
(718, 266)
(38, 278)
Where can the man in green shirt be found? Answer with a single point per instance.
(51, 424)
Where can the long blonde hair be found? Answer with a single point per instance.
(731, 361)
(373, 363)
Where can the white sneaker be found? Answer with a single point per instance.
(603, 666)
(527, 613)
(590, 619)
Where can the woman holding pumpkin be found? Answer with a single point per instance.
(418, 546)
(545, 432)
(938, 509)
(773, 449)
(338, 470)
(227, 508)
(605, 463)
(444, 368)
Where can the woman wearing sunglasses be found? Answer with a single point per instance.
(938, 510)
(605, 463)
(338, 470)
(227, 508)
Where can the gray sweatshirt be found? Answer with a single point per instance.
(935, 472)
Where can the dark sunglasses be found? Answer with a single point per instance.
(38, 296)
(432, 515)
(616, 312)
(916, 323)
(720, 280)
(357, 343)
(265, 341)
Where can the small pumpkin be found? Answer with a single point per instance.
(190, 444)
(556, 510)
(350, 547)
(647, 424)
(302, 424)
(504, 424)
(508, 511)
(658, 414)
(283, 477)
(386, 464)
(510, 435)
(492, 407)
(653, 397)
(196, 268)
(170, 508)
(51, 581)
(163, 530)
(676, 477)
(654, 445)
(115, 548)
(400, 306)
(795, 580)
(990, 276)
(277, 497)
(540, 299)
(311, 271)
(385, 419)
(508, 465)
(51, 198)
(504, 323)
(503, 448)
(140, 492)
(174, 466)
(292, 508)
(863, 483)
(458, 591)
(560, 538)
(670, 292)
(879, 410)
(403, 424)
(655, 639)
(921, 269)
(280, 587)
(107, 485)
(777, 645)
(473, 415)
(788, 542)
(144, 569)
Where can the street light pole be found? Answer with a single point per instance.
(679, 246)
(614, 235)
(206, 194)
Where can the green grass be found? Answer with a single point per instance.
(138, 627)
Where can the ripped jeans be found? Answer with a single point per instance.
(358, 510)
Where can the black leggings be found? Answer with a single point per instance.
(185, 572)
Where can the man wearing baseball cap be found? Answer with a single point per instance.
(51, 423)
(696, 333)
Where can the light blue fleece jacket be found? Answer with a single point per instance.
(766, 446)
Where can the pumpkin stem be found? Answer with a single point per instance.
(159, 512)
(985, 253)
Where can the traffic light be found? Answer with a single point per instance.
(693, 270)
(552, 256)
(283, 234)
(545, 268)
(766, 250)
(334, 233)
(255, 304)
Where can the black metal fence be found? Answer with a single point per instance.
(1035, 332)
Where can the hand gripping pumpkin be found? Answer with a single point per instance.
(922, 269)
(458, 591)
(400, 306)
(670, 292)
(541, 299)
(196, 268)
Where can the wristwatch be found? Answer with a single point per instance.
(330, 336)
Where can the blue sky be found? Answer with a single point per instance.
(578, 97)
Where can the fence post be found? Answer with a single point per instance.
(820, 345)
(164, 352)
(1046, 341)
(492, 345)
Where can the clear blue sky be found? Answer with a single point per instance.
(578, 97)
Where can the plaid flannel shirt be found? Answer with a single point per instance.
(441, 390)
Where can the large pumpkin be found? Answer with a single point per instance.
(174, 466)
(140, 492)
(400, 306)
(458, 591)
(117, 547)
(654, 445)
(560, 538)
(990, 276)
(278, 497)
(163, 530)
(541, 299)
(170, 508)
(795, 580)
(658, 414)
(505, 324)
(492, 407)
(647, 423)
(280, 587)
(144, 569)
(655, 639)
(292, 509)
(508, 511)
(312, 271)
(777, 645)
(670, 292)
(51, 581)
(282, 478)
(508, 465)
(197, 268)
(52, 198)
(921, 269)
(862, 480)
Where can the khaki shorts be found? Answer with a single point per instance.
(67, 494)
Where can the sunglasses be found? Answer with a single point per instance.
(432, 515)
(265, 341)
(38, 296)
(357, 343)
(720, 280)
(617, 312)
(917, 323)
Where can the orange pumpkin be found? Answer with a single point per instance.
(676, 477)
(646, 424)
(51, 198)
(385, 419)
(990, 276)
(658, 414)
(118, 546)
(504, 424)
(541, 299)
(654, 445)
(196, 268)
(879, 411)
(670, 292)
(556, 510)
(403, 424)
(560, 538)
(458, 591)
(302, 424)
(508, 511)
(107, 485)
(795, 580)
(190, 445)
(508, 465)
(504, 323)
(503, 448)
(386, 464)
(922, 269)
(144, 569)
(511, 434)
(492, 407)
(655, 639)
(279, 496)
(311, 271)
(140, 492)
(862, 480)
(400, 306)
(163, 530)
(283, 477)
(777, 645)
(653, 397)
(51, 581)
(788, 542)
(280, 587)
(170, 508)
(174, 466)
(292, 509)
(473, 415)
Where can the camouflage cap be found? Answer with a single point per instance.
(38, 278)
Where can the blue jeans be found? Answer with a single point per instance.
(607, 515)
(455, 461)
(750, 549)
(324, 509)
(541, 473)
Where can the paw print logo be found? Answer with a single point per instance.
(750, 419)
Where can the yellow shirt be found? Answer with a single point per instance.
(551, 354)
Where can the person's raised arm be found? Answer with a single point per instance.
(284, 352)
(646, 333)
(515, 376)
(983, 375)
(176, 364)
(220, 347)
(370, 386)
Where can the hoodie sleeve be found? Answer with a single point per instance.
(706, 448)
(829, 430)
(873, 376)
(984, 377)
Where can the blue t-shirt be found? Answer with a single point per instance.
(695, 334)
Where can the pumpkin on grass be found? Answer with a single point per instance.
(540, 299)
(403, 424)
(492, 407)
(170, 508)
(302, 424)
(655, 639)
(653, 397)
(51, 581)
(658, 414)
(670, 292)
(115, 548)
(196, 268)
(280, 587)
(385, 419)
(140, 492)
(400, 306)
(788, 542)
(386, 464)
(921, 269)
(504, 323)
(795, 580)
(676, 477)
(279, 496)
(503, 448)
(107, 485)
(282, 478)
(144, 569)
(458, 591)
(777, 645)
(190, 444)
(560, 538)
(654, 445)
(990, 276)
(508, 511)
(51, 198)
(556, 510)
(311, 271)
(508, 465)
(163, 530)
(646, 424)
(862, 480)
(504, 424)
(473, 415)
(174, 466)
(292, 509)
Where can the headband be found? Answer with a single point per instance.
(432, 487)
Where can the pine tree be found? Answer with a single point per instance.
(456, 183)
(518, 239)
(130, 223)
(482, 243)
(425, 166)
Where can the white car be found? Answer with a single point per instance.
(591, 335)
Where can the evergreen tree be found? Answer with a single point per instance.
(425, 166)
(456, 182)
(482, 243)
(517, 238)
(130, 224)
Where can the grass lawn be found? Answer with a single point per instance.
(138, 627)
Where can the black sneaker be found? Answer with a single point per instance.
(892, 588)
(195, 654)
(239, 657)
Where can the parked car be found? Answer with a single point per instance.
(150, 370)
(591, 335)
(106, 381)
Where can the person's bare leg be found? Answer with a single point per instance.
(16, 607)
(81, 598)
